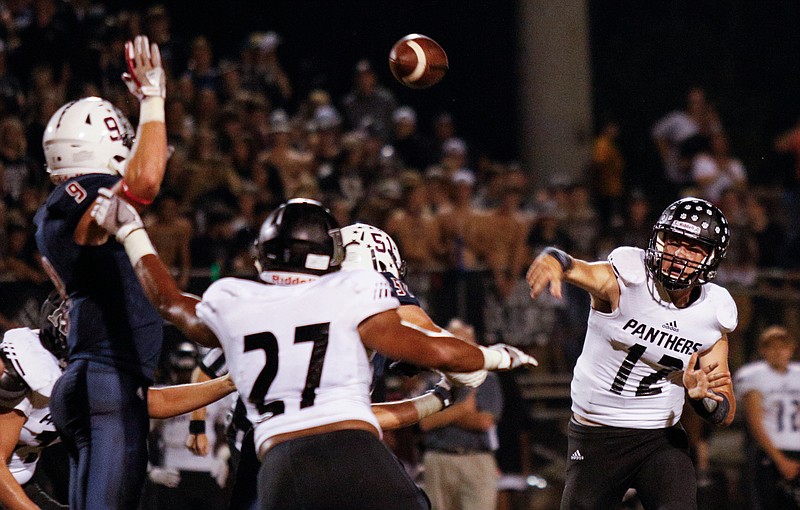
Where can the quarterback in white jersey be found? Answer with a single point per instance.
(297, 351)
(657, 333)
(621, 378)
(769, 391)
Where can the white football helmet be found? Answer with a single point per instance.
(368, 247)
(87, 136)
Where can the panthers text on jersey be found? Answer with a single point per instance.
(31, 359)
(780, 393)
(621, 377)
(294, 351)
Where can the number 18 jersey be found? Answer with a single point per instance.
(294, 351)
(621, 377)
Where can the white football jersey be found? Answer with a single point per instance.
(620, 378)
(294, 351)
(780, 393)
(35, 363)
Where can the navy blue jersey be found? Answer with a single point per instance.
(111, 320)
(401, 292)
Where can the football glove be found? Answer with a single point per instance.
(145, 77)
(115, 215)
(506, 357)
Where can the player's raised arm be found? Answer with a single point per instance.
(121, 220)
(146, 80)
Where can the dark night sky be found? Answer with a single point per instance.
(323, 40)
(644, 57)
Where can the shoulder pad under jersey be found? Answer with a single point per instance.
(628, 265)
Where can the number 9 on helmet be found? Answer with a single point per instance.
(87, 136)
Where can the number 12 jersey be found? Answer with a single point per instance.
(622, 378)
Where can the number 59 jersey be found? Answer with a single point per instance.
(622, 377)
(294, 351)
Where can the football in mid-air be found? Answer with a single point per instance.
(417, 61)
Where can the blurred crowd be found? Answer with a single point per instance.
(245, 135)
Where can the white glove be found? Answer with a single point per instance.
(506, 357)
(115, 215)
(167, 477)
(145, 77)
(469, 379)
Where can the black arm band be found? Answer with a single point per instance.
(717, 415)
(444, 395)
(197, 427)
(561, 256)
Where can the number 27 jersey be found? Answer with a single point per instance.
(294, 351)
(621, 378)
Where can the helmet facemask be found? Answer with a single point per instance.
(675, 272)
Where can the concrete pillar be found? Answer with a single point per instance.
(555, 100)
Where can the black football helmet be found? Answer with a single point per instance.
(695, 219)
(300, 236)
(54, 325)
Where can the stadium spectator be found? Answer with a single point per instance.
(606, 174)
(681, 134)
(716, 169)
(172, 234)
(410, 147)
(460, 468)
(369, 102)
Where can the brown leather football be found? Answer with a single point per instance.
(417, 61)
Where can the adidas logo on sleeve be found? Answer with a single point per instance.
(576, 455)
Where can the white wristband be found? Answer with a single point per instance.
(151, 110)
(491, 358)
(137, 245)
(427, 404)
